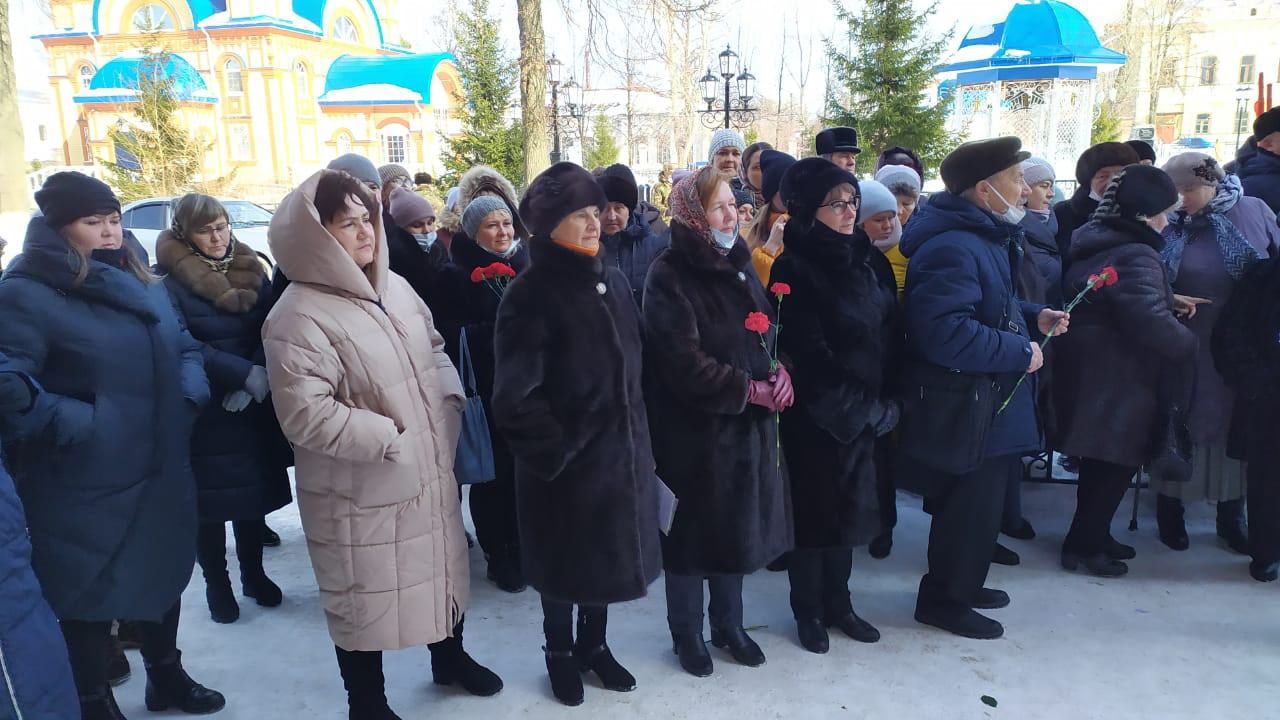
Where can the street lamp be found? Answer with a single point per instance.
(1244, 94)
(739, 111)
(573, 103)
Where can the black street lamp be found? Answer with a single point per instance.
(573, 104)
(736, 111)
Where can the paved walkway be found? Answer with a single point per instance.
(1185, 635)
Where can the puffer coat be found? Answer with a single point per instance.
(364, 391)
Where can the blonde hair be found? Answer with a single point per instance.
(757, 233)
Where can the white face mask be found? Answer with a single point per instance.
(1095, 196)
(425, 240)
(1012, 215)
(725, 240)
(515, 245)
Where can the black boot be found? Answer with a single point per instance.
(254, 582)
(855, 627)
(1264, 572)
(1169, 519)
(223, 607)
(1001, 555)
(740, 645)
(211, 552)
(991, 599)
(594, 654)
(881, 545)
(451, 664)
(366, 687)
(504, 571)
(1232, 527)
(941, 612)
(691, 648)
(101, 706)
(1100, 565)
(562, 666)
(118, 670)
(129, 634)
(1117, 550)
(269, 537)
(169, 686)
(1022, 531)
(813, 635)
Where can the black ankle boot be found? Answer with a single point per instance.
(259, 587)
(881, 545)
(1001, 555)
(1169, 520)
(813, 635)
(269, 537)
(451, 664)
(1117, 550)
(739, 644)
(691, 648)
(504, 571)
(169, 686)
(1232, 527)
(118, 670)
(223, 607)
(101, 706)
(1100, 565)
(855, 627)
(365, 684)
(594, 654)
(566, 676)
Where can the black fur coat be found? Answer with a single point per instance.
(717, 453)
(569, 400)
(840, 333)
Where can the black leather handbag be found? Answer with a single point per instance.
(946, 417)
(1171, 459)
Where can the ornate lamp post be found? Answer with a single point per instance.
(573, 103)
(1244, 94)
(736, 111)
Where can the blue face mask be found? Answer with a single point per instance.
(725, 240)
(425, 240)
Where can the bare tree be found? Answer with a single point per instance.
(13, 187)
(533, 87)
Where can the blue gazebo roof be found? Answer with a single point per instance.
(412, 73)
(1045, 34)
(118, 80)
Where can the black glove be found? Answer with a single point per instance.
(15, 393)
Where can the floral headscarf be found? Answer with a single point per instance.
(686, 206)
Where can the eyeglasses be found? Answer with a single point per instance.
(840, 206)
(404, 182)
(220, 228)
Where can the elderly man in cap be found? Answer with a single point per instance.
(1260, 172)
(840, 146)
(968, 331)
(631, 240)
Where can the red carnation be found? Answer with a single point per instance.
(477, 275)
(758, 322)
(502, 270)
(780, 289)
(1110, 276)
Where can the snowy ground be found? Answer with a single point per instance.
(1185, 635)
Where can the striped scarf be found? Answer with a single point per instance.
(1237, 253)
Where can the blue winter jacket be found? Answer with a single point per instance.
(1260, 175)
(35, 676)
(962, 312)
(633, 250)
(103, 462)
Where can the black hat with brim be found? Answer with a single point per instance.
(973, 162)
(837, 139)
(1266, 124)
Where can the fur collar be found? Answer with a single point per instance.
(235, 291)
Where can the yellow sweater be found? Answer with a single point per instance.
(899, 263)
(761, 260)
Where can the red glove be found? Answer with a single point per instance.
(784, 395)
(760, 392)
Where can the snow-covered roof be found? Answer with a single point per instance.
(118, 80)
(375, 94)
(1035, 33)
(374, 78)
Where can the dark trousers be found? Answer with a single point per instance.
(1011, 516)
(1099, 492)
(820, 582)
(493, 510)
(211, 548)
(886, 489)
(362, 670)
(1264, 507)
(962, 536)
(557, 625)
(89, 645)
(684, 602)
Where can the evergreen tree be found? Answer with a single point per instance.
(603, 150)
(752, 136)
(155, 156)
(1106, 126)
(888, 80)
(488, 77)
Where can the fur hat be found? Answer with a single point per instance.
(1144, 150)
(1193, 169)
(1137, 193)
(723, 138)
(876, 199)
(68, 196)
(478, 210)
(358, 166)
(558, 191)
(773, 165)
(895, 176)
(392, 172)
(1107, 154)
(482, 180)
(1037, 170)
(1266, 124)
(975, 161)
(806, 184)
(837, 139)
(408, 207)
(619, 185)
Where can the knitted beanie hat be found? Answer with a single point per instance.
(478, 210)
(723, 138)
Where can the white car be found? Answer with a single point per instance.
(148, 218)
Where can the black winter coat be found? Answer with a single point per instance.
(1260, 175)
(1108, 370)
(1072, 214)
(1246, 353)
(422, 269)
(240, 459)
(839, 332)
(104, 468)
(1041, 258)
(633, 251)
(568, 397)
(717, 453)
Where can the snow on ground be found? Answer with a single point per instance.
(1185, 635)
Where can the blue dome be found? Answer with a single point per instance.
(122, 74)
(1037, 33)
(410, 72)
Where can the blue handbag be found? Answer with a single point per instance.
(473, 462)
